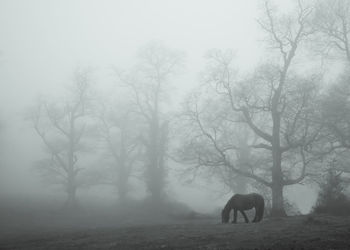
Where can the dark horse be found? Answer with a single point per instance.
(241, 202)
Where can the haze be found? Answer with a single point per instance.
(43, 42)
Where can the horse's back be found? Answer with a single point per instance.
(258, 198)
(248, 201)
(243, 201)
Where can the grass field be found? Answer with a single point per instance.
(297, 232)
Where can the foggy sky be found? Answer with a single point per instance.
(43, 41)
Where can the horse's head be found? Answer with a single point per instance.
(225, 216)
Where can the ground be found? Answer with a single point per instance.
(297, 232)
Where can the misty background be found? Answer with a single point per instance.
(42, 43)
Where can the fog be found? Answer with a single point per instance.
(43, 43)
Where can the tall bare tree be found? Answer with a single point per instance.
(332, 21)
(149, 87)
(275, 104)
(62, 127)
(118, 128)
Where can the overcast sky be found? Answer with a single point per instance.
(43, 41)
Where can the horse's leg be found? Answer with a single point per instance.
(245, 216)
(259, 212)
(234, 216)
(256, 216)
(260, 216)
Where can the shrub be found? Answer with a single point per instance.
(331, 199)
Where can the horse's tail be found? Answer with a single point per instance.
(260, 210)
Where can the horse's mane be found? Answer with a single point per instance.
(227, 207)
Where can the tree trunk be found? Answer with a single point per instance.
(154, 177)
(122, 194)
(123, 178)
(71, 202)
(244, 154)
(277, 209)
(277, 175)
(122, 183)
(277, 185)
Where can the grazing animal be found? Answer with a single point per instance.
(241, 202)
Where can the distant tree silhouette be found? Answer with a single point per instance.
(118, 128)
(149, 86)
(62, 127)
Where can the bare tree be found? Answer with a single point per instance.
(275, 104)
(149, 87)
(62, 127)
(332, 21)
(118, 129)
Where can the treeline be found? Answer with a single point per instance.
(278, 125)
